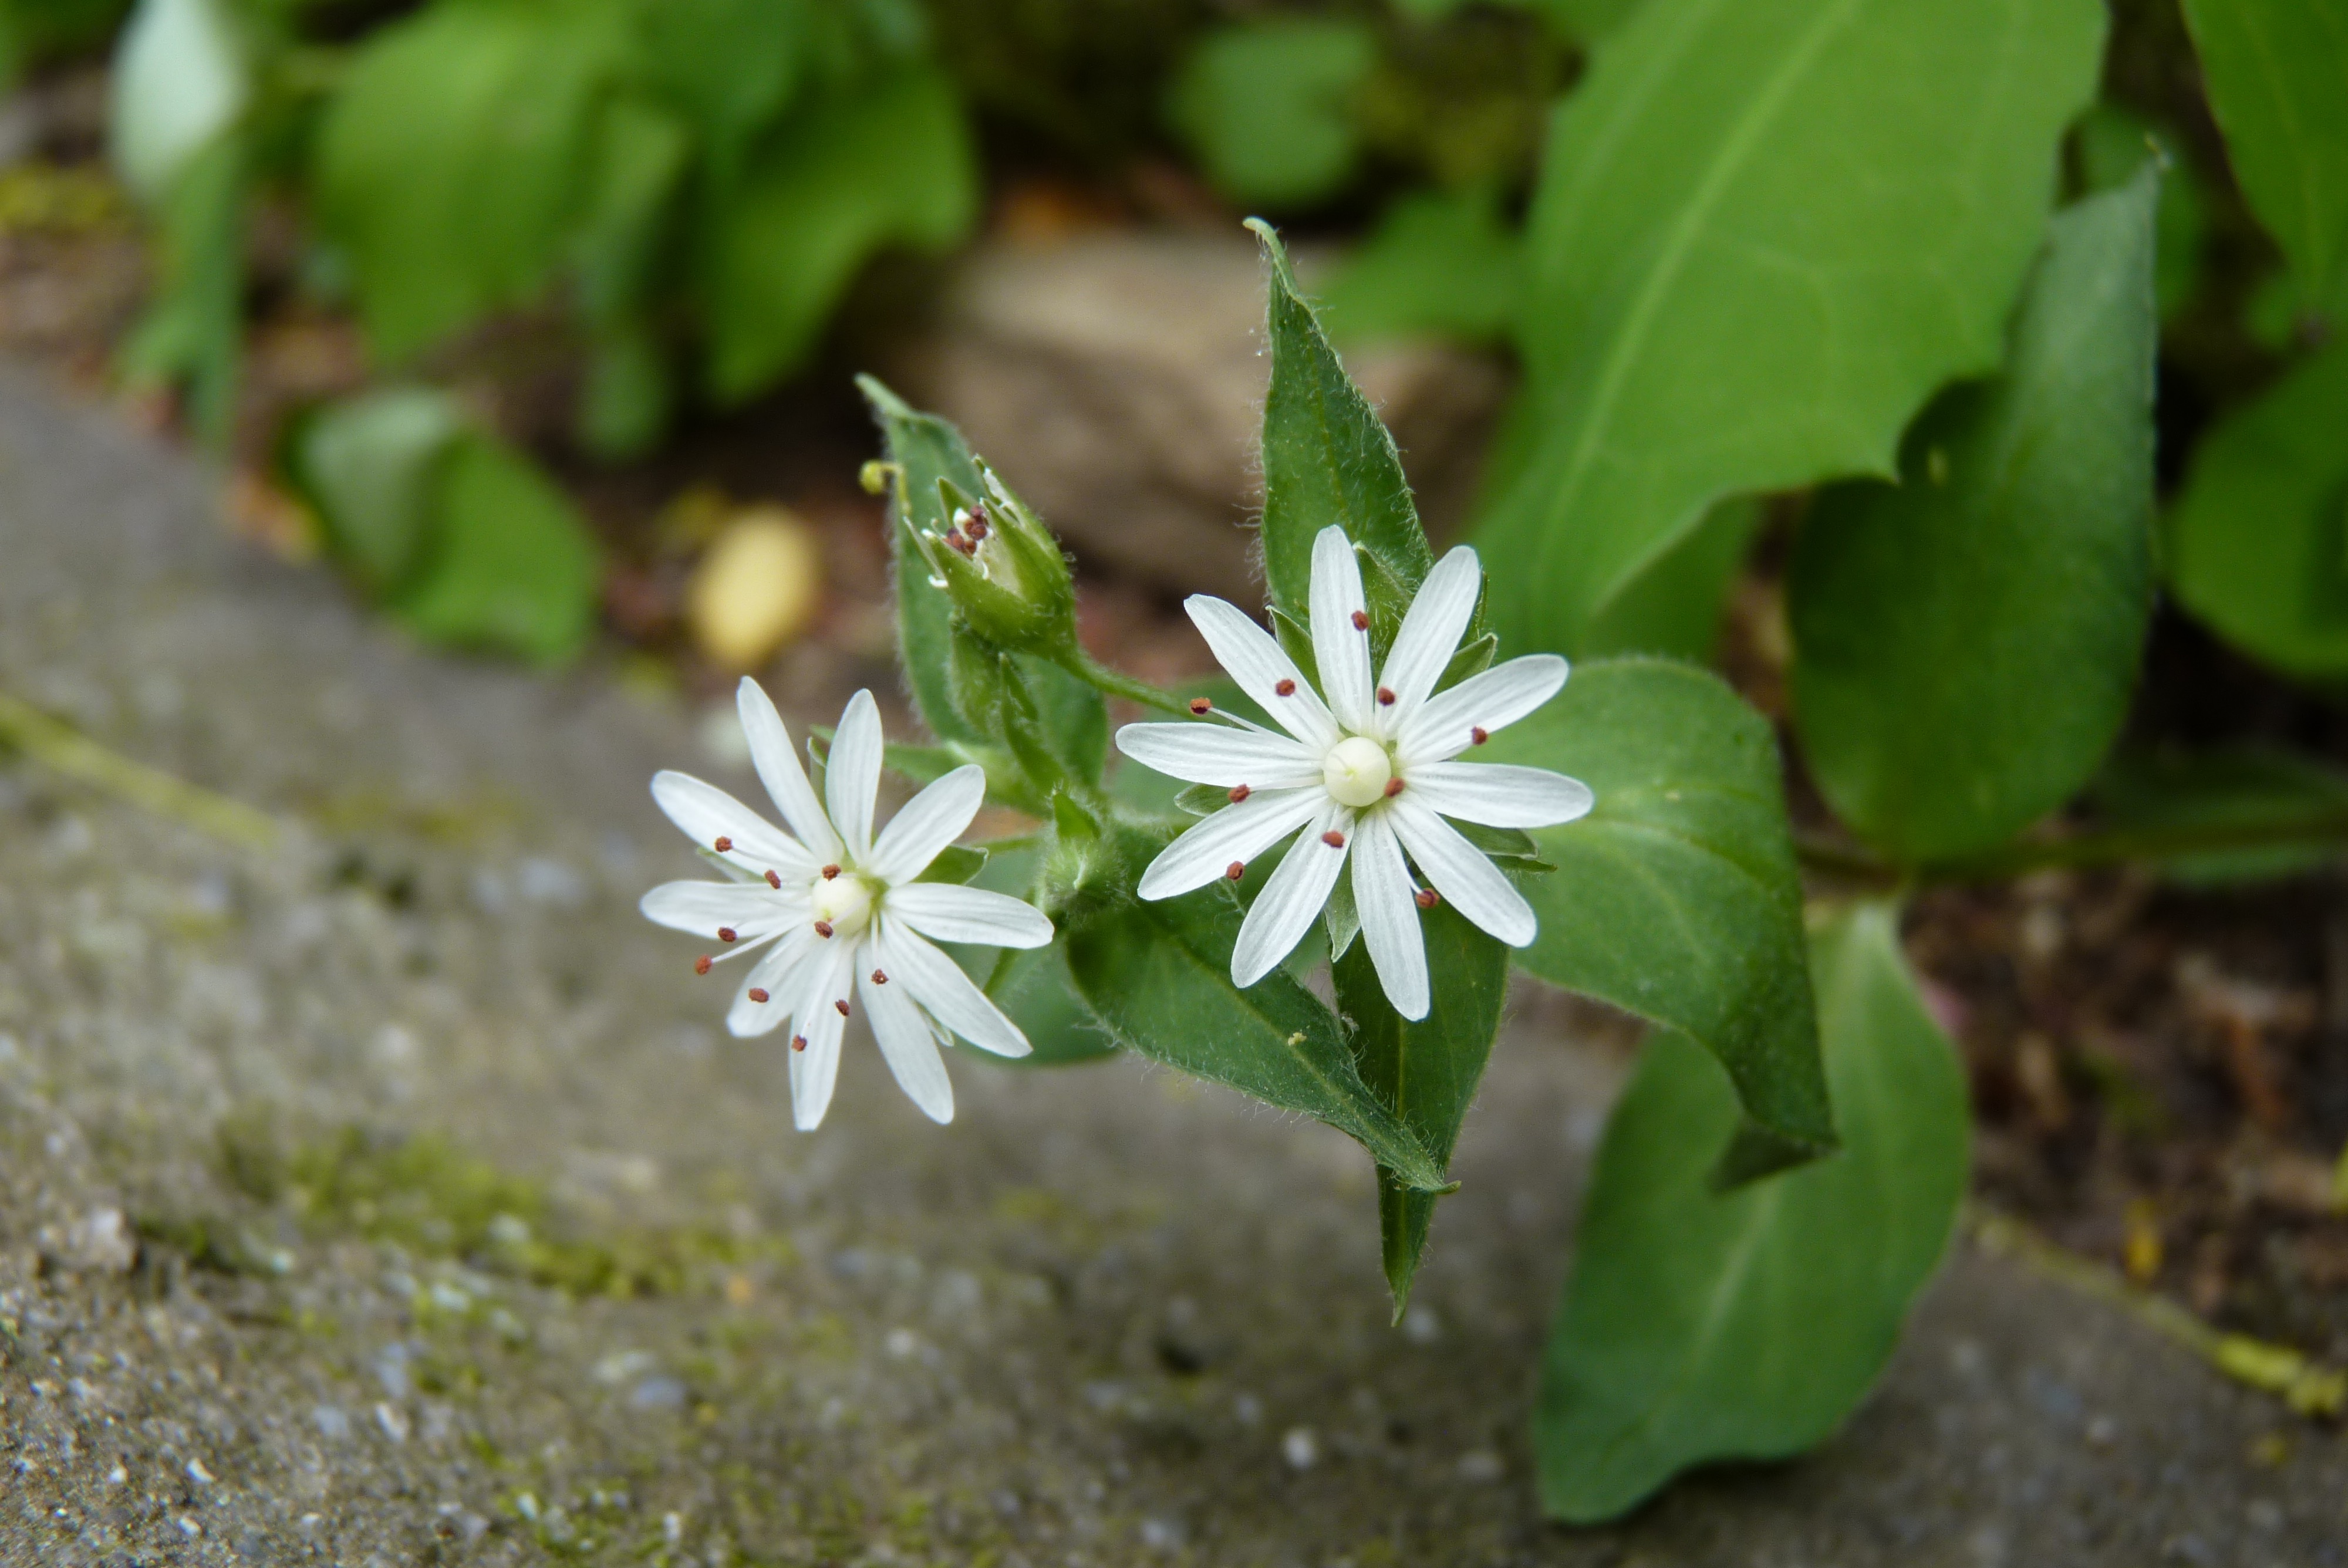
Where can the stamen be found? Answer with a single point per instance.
(774, 881)
(1394, 788)
(1478, 735)
(701, 965)
(1240, 792)
(1235, 870)
(725, 933)
(1286, 688)
(798, 1042)
(1361, 621)
(1385, 697)
(725, 844)
(1333, 839)
(1425, 898)
(823, 928)
(830, 872)
(955, 537)
(974, 524)
(878, 979)
(757, 993)
(1200, 707)
(842, 1005)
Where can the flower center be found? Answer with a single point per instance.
(843, 902)
(1357, 772)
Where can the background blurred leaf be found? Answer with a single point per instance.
(2258, 543)
(1703, 1326)
(1426, 1071)
(33, 31)
(728, 65)
(2114, 144)
(1438, 264)
(450, 165)
(2277, 75)
(1266, 105)
(1966, 640)
(371, 469)
(180, 82)
(1706, 316)
(1677, 897)
(642, 157)
(512, 567)
(2296, 807)
(889, 163)
(1159, 977)
(192, 331)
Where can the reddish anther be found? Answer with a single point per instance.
(757, 993)
(1240, 792)
(1286, 688)
(823, 928)
(1361, 621)
(701, 965)
(1235, 871)
(878, 979)
(1394, 788)
(1425, 898)
(774, 881)
(1200, 707)
(798, 1042)
(1477, 736)
(725, 933)
(842, 1005)
(830, 872)
(976, 524)
(1385, 696)
(725, 844)
(954, 537)
(1333, 839)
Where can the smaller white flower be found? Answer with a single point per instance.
(1368, 773)
(844, 911)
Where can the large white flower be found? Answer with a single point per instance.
(1368, 773)
(843, 910)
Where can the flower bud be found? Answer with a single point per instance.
(1002, 570)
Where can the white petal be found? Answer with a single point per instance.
(1342, 649)
(1382, 898)
(929, 822)
(1252, 657)
(851, 776)
(1238, 833)
(709, 814)
(814, 1068)
(903, 1037)
(952, 914)
(1210, 754)
(1429, 636)
(781, 974)
(1460, 873)
(945, 993)
(751, 910)
(1293, 899)
(1489, 702)
(1498, 794)
(778, 769)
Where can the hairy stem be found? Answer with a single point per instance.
(1114, 684)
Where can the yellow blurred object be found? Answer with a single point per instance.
(757, 587)
(2140, 1252)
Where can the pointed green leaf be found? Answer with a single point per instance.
(1426, 1071)
(1702, 1326)
(1966, 642)
(1765, 231)
(1326, 459)
(2277, 75)
(1158, 977)
(1677, 897)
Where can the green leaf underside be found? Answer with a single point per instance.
(2297, 806)
(1966, 641)
(1677, 897)
(1706, 316)
(1158, 976)
(1700, 1325)
(1674, 607)
(1327, 459)
(1425, 1072)
(2258, 543)
(2277, 75)
(512, 566)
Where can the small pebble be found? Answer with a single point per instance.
(1300, 1448)
(1480, 1467)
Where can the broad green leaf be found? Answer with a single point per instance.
(1582, 21)
(889, 163)
(1966, 641)
(1677, 897)
(450, 165)
(1440, 264)
(728, 65)
(2258, 543)
(1765, 231)
(2235, 814)
(370, 468)
(180, 82)
(1327, 459)
(1674, 607)
(512, 567)
(2114, 144)
(1425, 1072)
(1158, 977)
(2277, 75)
(1700, 1325)
(194, 331)
(1268, 105)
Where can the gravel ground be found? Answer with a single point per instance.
(391, 1195)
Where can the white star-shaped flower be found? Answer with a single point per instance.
(845, 911)
(1368, 773)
